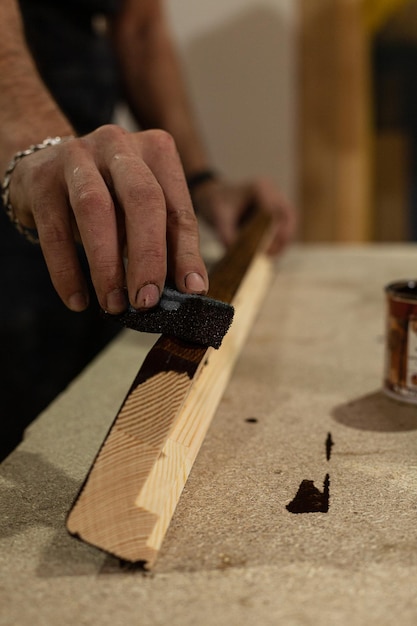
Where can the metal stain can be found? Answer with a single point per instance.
(400, 379)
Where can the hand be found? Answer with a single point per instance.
(115, 192)
(225, 205)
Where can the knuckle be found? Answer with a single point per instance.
(120, 159)
(88, 196)
(189, 257)
(105, 272)
(160, 140)
(183, 219)
(150, 194)
(152, 251)
(89, 199)
(149, 260)
(101, 256)
(148, 264)
(64, 272)
(153, 254)
(146, 194)
(53, 234)
(110, 132)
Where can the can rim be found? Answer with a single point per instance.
(403, 289)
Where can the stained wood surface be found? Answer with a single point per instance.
(128, 498)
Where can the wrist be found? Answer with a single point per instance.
(29, 233)
(199, 177)
(20, 139)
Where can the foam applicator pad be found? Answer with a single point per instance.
(197, 319)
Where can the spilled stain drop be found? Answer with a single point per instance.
(329, 446)
(251, 420)
(309, 499)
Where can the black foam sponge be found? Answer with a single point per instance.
(193, 318)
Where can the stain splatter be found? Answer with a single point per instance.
(329, 446)
(251, 420)
(309, 499)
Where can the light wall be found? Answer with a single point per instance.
(239, 59)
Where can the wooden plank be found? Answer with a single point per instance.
(128, 498)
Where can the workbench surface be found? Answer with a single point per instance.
(309, 376)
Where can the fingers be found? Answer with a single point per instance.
(271, 200)
(223, 205)
(226, 206)
(95, 215)
(39, 198)
(226, 221)
(141, 199)
(186, 265)
(147, 183)
(59, 250)
(161, 229)
(121, 190)
(117, 190)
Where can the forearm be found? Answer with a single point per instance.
(28, 112)
(154, 83)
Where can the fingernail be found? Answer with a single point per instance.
(147, 296)
(116, 301)
(195, 282)
(78, 301)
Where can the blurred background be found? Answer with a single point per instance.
(318, 94)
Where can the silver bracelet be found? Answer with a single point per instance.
(29, 233)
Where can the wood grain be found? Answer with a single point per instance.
(128, 498)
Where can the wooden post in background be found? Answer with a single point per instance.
(335, 172)
(393, 27)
